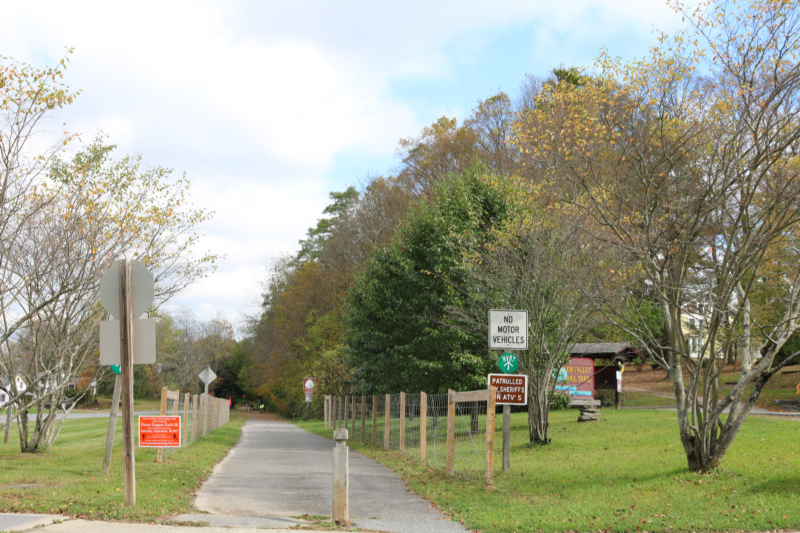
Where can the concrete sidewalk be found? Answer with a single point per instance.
(44, 523)
(278, 470)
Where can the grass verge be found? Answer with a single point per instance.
(626, 472)
(68, 479)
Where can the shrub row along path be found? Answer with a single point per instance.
(278, 472)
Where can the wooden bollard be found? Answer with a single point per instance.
(341, 497)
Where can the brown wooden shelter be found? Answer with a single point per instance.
(619, 353)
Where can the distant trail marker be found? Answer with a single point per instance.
(207, 376)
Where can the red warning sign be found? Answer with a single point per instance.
(159, 431)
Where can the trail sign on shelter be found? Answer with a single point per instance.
(579, 379)
(508, 329)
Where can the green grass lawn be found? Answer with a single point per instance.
(626, 472)
(68, 479)
(104, 404)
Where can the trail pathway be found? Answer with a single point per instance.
(278, 472)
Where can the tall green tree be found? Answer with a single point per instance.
(399, 338)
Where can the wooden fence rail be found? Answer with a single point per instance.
(411, 424)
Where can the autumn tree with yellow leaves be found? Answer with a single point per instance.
(685, 163)
(63, 224)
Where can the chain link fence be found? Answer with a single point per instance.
(452, 432)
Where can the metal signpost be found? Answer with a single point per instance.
(308, 390)
(127, 290)
(508, 330)
(207, 376)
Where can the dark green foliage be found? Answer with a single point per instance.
(789, 348)
(311, 247)
(399, 338)
(559, 401)
(230, 375)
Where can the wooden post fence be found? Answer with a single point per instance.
(387, 421)
(423, 428)
(185, 436)
(451, 432)
(402, 438)
(363, 416)
(374, 420)
(490, 425)
(352, 415)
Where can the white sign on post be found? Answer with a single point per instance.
(144, 329)
(207, 376)
(508, 329)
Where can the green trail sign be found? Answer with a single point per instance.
(508, 363)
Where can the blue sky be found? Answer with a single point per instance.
(268, 106)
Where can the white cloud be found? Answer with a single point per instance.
(257, 100)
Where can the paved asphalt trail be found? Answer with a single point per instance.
(278, 470)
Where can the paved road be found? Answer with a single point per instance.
(278, 470)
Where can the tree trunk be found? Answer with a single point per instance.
(537, 420)
(473, 418)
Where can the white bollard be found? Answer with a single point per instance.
(340, 478)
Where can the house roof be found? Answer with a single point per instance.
(605, 350)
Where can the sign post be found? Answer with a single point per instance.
(126, 373)
(308, 390)
(508, 330)
(112, 424)
(207, 376)
(126, 291)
